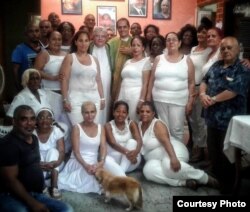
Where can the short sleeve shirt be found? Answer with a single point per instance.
(234, 78)
(16, 151)
(24, 56)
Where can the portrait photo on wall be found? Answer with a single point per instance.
(162, 9)
(73, 7)
(137, 8)
(106, 17)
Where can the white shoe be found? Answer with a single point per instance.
(5, 130)
(55, 193)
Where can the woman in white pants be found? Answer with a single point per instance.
(123, 137)
(171, 86)
(166, 158)
(51, 146)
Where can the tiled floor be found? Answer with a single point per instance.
(156, 198)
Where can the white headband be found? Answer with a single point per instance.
(45, 109)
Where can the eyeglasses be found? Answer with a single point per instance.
(42, 118)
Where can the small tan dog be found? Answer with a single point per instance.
(128, 187)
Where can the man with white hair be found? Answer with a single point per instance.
(137, 8)
(223, 94)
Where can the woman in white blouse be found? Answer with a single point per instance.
(135, 75)
(81, 79)
(171, 86)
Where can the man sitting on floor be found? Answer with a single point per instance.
(21, 177)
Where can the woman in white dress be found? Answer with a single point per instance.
(51, 146)
(123, 137)
(81, 80)
(89, 153)
(100, 49)
(171, 86)
(49, 61)
(135, 75)
(166, 158)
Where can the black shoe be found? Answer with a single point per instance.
(192, 184)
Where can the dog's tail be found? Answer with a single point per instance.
(139, 201)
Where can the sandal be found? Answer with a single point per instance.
(55, 193)
(192, 184)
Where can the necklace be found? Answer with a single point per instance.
(121, 131)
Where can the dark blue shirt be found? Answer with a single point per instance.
(234, 78)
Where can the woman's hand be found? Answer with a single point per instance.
(91, 169)
(175, 165)
(125, 50)
(132, 156)
(48, 166)
(67, 106)
(100, 164)
(206, 100)
(245, 62)
(189, 108)
(139, 106)
(102, 104)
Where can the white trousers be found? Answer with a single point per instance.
(113, 167)
(121, 160)
(173, 116)
(158, 169)
(51, 155)
(199, 129)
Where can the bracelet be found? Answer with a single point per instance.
(102, 99)
(103, 158)
(141, 100)
(203, 94)
(214, 99)
(65, 100)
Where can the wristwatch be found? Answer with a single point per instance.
(214, 98)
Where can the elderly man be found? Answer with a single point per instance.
(223, 94)
(22, 180)
(137, 8)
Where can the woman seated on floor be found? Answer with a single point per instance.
(89, 153)
(51, 146)
(123, 137)
(166, 158)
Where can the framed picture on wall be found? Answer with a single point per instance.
(162, 9)
(73, 7)
(106, 17)
(203, 13)
(137, 8)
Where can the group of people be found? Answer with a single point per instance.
(124, 102)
